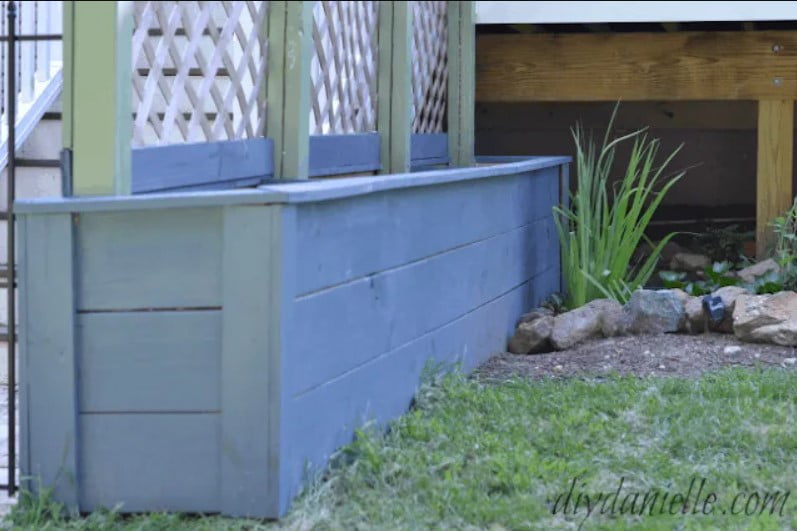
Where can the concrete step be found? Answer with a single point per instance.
(45, 140)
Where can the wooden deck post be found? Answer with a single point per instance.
(774, 169)
(461, 82)
(394, 112)
(290, 35)
(97, 117)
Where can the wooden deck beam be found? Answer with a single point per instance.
(774, 171)
(637, 66)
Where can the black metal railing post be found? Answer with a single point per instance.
(12, 277)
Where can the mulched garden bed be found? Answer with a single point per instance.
(650, 355)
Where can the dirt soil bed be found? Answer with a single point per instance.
(658, 355)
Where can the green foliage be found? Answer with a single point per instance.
(555, 302)
(602, 228)
(718, 275)
(724, 244)
(477, 456)
(785, 253)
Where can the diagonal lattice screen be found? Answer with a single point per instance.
(429, 66)
(344, 67)
(199, 71)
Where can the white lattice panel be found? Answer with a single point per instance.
(344, 67)
(199, 71)
(429, 66)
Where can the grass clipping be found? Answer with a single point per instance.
(599, 234)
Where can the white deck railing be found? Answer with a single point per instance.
(39, 67)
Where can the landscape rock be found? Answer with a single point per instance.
(729, 295)
(695, 322)
(749, 273)
(689, 262)
(535, 314)
(532, 336)
(732, 349)
(612, 318)
(767, 318)
(654, 312)
(583, 323)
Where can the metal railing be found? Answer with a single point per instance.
(32, 30)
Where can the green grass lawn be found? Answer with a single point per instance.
(472, 455)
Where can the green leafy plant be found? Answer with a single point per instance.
(718, 275)
(785, 252)
(555, 302)
(602, 228)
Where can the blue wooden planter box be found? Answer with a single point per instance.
(206, 351)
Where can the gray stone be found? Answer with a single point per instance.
(729, 295)
(535, 314)
(767, 318)
(654, 312)
(612, 317)
(577, 325)
(532, 336)
(695, 322)
(689, 262)
(748, 274)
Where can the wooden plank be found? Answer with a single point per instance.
(290, 52)
(461, 82)
(149, 259)
(366, 318)
(739, 65)
(339, 154)
(150, 462)
(429, 149)
(387, 230)
(575, 12)
(383, 388)
(775, 166)
(47, 357)
(521, 117)
(149, 361)
(250, 364)
(101, 96)
(394, 117)
(191, 166)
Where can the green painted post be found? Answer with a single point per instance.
(394, 114)
(68, 76)
(461, 82)
(98, 91)
(290, 48)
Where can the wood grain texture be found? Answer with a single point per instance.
(150, 462)
(147, 260)
(47, 356)
(149, 361)
(429, 148)
(389, 383)
(339, 154)
(382, 231)
(368, 317)
(775, 166)
(637, 66)
(192, 166)
(250, 365)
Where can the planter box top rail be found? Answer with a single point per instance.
(291, 191)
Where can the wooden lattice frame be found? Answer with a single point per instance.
(429, 65)
(199, 71)
(344, 67)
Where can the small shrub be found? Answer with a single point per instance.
(785, 253)
(601, 230)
